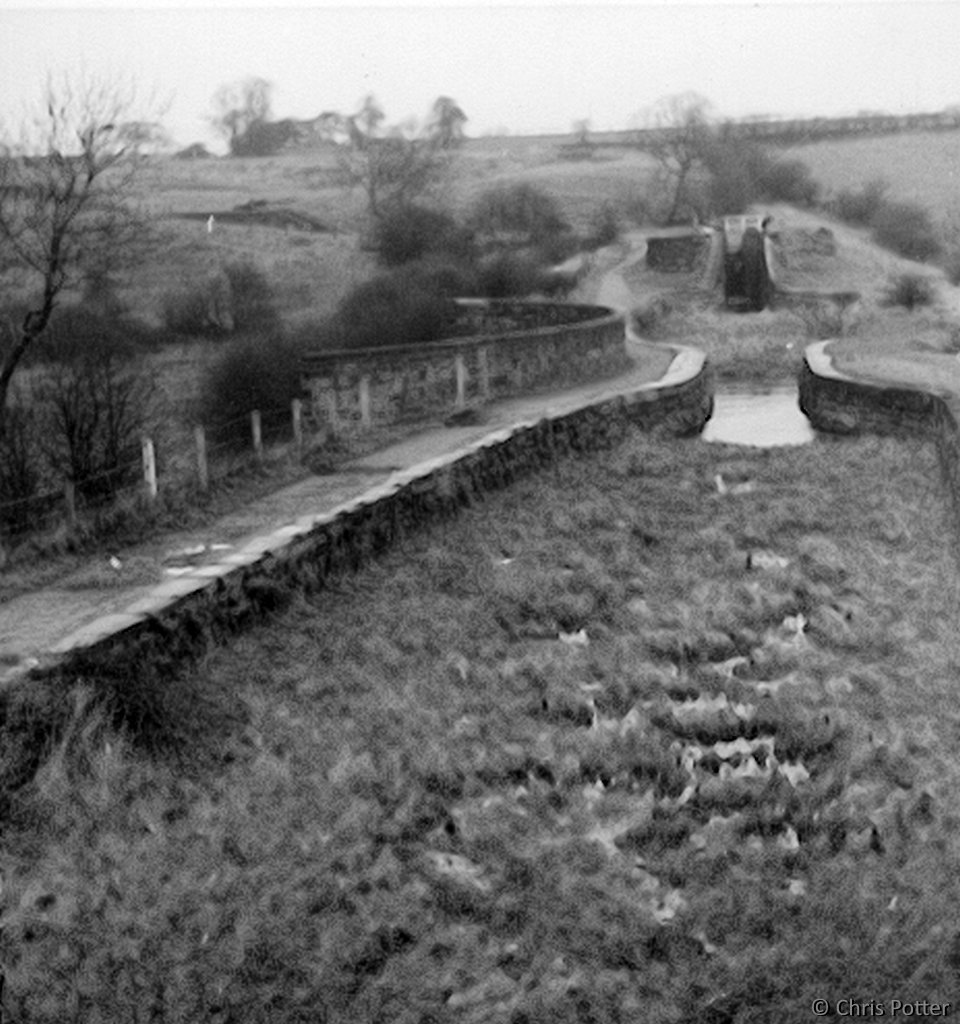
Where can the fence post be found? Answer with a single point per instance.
(460, 368)
(149, 468)
(203, 474)
(70, 501)
(296, 409)
(365, 418)
(257, 433)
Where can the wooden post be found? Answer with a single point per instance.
(460, 368)
(296, 410)
(257, 433)
(365, 401)
(149, 468)
(203, 473)
(70, 501)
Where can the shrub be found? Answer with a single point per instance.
(557, 248)
(509, 274)
(788, 181)
(410, 232)
(188, 311)
(734, 171)
(435, 274)
(906, 229)
(909, 290)
(94, 401)
(251, 298)
(252, 373)
(394, 309)
(604, 227)
(860, 207)
(522, 210)
(239, 298)
(19, 465)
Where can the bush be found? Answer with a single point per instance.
(191, 311)
(604, 227)
(394, 309)
(251, 298)
(909, 290)
(860, 207)
(19, 466)
(239, 298)
(509, 275)
(906, 229)
(411, 232)
(253, 373)
(521, 210)
(452, 279)
(788, 181)
(94, 401)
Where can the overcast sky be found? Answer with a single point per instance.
(527, 68)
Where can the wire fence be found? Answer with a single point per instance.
(136, 484)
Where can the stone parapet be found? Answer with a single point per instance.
(512, 348)
(182, 618)
(839, 403)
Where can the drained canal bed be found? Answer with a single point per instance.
(614, 744)
(760, 419)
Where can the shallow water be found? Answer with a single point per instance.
(759, 419)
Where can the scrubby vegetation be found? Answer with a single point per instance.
(909, 291)
(654, 753)
(79, 416)
(236, 300)
(905, 228)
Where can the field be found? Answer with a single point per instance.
(616, 744)
(920, 167)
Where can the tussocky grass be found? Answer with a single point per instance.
(459, 785)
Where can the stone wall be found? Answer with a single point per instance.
(179, 620)
(677, 253)
(837, 403)
(543, 345)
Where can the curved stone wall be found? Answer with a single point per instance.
(837, 403)
(544, 345)
(181, 618)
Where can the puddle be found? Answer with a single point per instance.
(760, 419)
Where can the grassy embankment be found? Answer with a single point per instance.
(613, 745)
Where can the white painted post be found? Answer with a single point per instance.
(296, 410)
(365, 401)
(149, 468)
(203, 474)
(257, 433)
(461, 370)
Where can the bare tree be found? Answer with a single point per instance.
(446, 123)
(65, 198)
(239, 106)
(679, 136)
(393, 165)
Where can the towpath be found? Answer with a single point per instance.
(34, 622)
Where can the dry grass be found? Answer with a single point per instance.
(472, 783)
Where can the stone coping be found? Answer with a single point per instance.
(177, 594)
